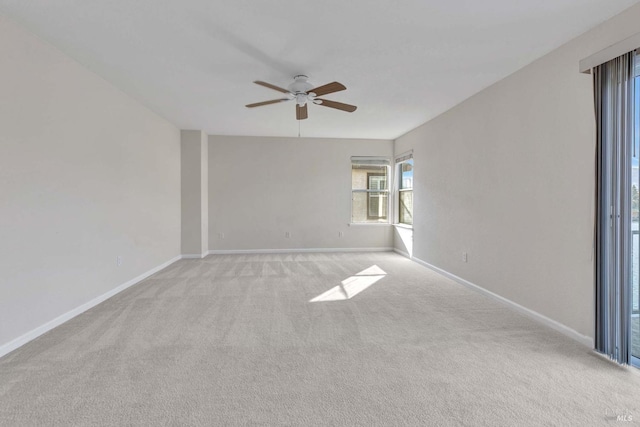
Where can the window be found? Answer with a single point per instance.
(405, 189)
(369, 190)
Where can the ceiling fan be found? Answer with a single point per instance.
(303, 93)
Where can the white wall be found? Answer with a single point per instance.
(204, 193)
(508, 176)
(194, 162)
(86, 174)
(261, 188)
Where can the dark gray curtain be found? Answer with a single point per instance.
(614, 105)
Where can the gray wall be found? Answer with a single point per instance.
(508, 176)
(261, 188)
(86, 175)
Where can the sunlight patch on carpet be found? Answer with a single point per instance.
(352, 286)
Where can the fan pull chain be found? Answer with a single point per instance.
(299, 128)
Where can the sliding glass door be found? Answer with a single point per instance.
(617, 99)
(635, 227)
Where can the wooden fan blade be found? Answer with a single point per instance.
(328, 88)
(270, 86)
(337, 105)
(273, 101)
(301, 112)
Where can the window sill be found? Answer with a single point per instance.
(375, 224)
(408, 227)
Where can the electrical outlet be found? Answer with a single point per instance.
(340, 234)
(119, 260)
(221, 236)
(287, 234)
(464, 257)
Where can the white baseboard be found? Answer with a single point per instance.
(194, 256)
(403, 253)
(35, 333)
(294, 251)
(571, 333)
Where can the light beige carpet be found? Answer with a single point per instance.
(234, 340)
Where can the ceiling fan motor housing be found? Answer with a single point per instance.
(300, 85)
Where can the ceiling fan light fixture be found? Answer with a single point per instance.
(301, 99)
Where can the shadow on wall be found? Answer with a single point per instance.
(403, 239)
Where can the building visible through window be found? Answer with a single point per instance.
(369, 190)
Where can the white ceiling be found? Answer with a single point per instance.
(403, 62)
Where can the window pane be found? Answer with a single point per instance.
(377, 205)
(406, 174)
(377, 181)
(369, 207)
(406, 207)
(360, 177)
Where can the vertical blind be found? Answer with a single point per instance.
(614, 108)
